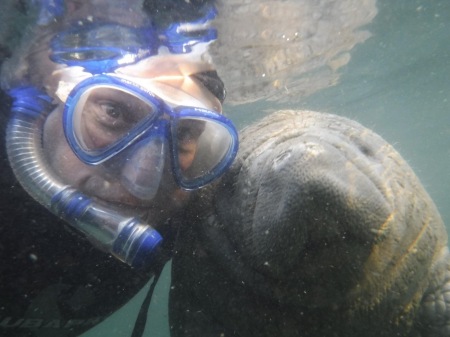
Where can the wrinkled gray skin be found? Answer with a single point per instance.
(319, 229)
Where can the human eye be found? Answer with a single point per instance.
(111, 114)
(112, 110)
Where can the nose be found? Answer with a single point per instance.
(143, 167)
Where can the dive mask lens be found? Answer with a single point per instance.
(102, 47)
(102, 119)
(143, 167)
(204, 146)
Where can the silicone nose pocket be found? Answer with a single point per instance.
(141, 174)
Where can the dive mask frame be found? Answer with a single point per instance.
(164, 119)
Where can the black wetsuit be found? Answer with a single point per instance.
(52, 281)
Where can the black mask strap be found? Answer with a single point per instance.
(141, 320)
(211, 81)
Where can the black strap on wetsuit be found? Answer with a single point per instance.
(212, 81)
(141, 320)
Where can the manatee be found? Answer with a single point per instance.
(320, 228)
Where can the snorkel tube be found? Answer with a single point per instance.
(127, 238)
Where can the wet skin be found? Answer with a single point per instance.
(105, 121)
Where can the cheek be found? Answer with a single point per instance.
(185, 161)
(58, 153)
(187, 155)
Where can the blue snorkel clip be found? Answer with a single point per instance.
(29, 101)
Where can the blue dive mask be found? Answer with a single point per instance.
(106, 115)
(102, 47)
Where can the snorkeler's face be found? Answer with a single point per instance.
(99, 181)
(105, 119)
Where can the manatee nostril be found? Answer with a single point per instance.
(363, 147)
(366, 150)
(281, 158)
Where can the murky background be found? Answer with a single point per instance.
(396, 82)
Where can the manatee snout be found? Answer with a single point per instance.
(309, 183)
(325, 230)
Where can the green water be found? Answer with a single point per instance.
(121, 323)
(397, 83)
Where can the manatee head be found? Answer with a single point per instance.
(329, 211)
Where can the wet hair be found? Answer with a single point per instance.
(211, 81)
(165, 12)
